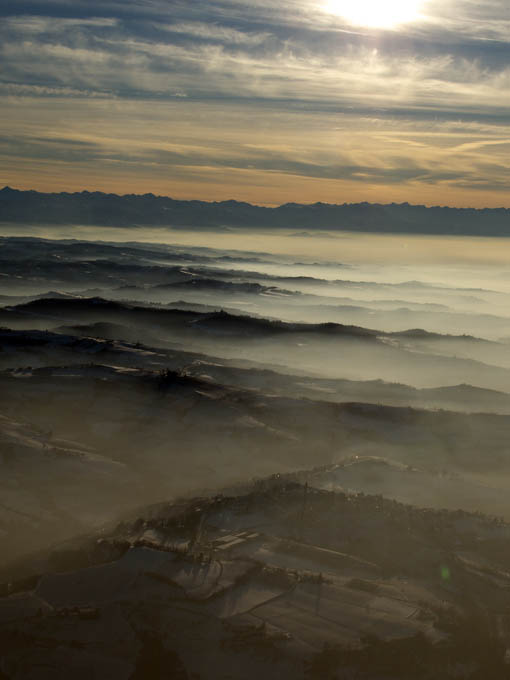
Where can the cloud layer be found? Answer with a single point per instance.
(259, 101)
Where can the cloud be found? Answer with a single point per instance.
(36, 24)
(216, 33)
(236, 59)
(425, 106)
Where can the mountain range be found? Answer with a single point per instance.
(101, 209)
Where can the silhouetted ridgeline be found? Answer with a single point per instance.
(101, 209)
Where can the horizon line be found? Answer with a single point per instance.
(8, 188)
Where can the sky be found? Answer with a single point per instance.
(261, 101)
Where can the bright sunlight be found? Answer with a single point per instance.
(376, 13)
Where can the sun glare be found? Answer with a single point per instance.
(376, 13)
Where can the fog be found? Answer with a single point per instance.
(197, 426)
(154, 363)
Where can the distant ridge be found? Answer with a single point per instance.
(131, 210)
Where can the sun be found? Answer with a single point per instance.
(376, 13)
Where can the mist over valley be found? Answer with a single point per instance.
(295, 443)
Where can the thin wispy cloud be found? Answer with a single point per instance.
(333, 91)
